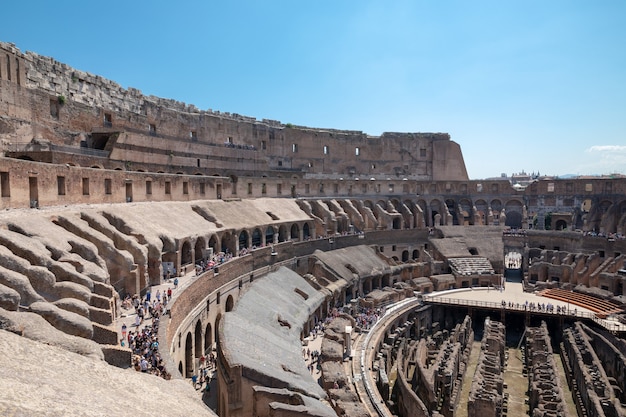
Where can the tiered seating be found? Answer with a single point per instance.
(601, 307)
(471, 266)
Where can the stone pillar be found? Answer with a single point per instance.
(348, 340)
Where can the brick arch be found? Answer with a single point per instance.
(243, 238)
(215, 243)
(198, 339)
(436, 206)
(465, 211)
(282, 233)
(269, 235)
(294, 232)
(256, 237)
(228, 243)
(186, 255)
(200, 248)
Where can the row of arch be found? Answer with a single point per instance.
(456, 212)
(235, 241)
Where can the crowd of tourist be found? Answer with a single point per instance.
(514, 232)
(609, 236)
(539, 307)
(144, 342)
(367, 318)
(202, 380)
(215, 260)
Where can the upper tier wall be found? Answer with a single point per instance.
(50, 101)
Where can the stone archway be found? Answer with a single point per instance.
(198, 340)
(214, 244)
(200, 249)
(188, 355)
(295, 232)
(230, 303)
(269, 235)
(208, 338)
(185, 253)
(243, 239)
(558, 225)
(257, 238)
(228, 243)
(282, 233)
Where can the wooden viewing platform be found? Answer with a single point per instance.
(602, 308)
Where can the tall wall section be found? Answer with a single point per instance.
(51, 102)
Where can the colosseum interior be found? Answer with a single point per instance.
(312, 271)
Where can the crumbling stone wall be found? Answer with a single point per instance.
(592, 389)
(545, 394)
(439, 365)
(486, 393)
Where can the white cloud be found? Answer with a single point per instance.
(604, 159)
(607, 148)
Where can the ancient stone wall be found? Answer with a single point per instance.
(486, 393)
(440, 362)
(545, 394)
(77, 108)
(589, 383)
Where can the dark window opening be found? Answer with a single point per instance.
(85, 186)
(5, 184)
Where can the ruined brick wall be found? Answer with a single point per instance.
(545, 392)
(57, 103)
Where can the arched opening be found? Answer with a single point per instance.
(282, 233)
(451, 206)
(216, 330)
(295, 232)
(243, 239)
(256, 238)
(185, 253)
(228, 243)
(214, 244)
(405, 256)
(465, 212)
(306, 233)
(559, 225)
(435, 208)
(269, 235)
(199, 249)
(188, 355)
(513, 220)
(480, 214)
(230, 303)
(496, 205)
(513, 210)
(416, 254)
(198, 339)
(386, 280)
(208, 339)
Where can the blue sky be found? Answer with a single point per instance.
(520, 85)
